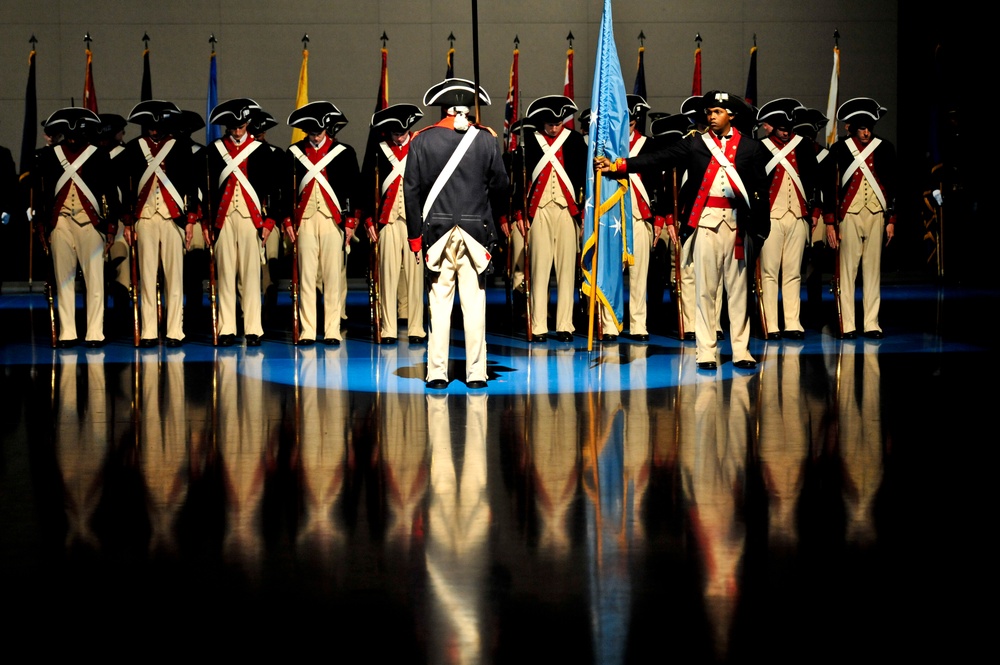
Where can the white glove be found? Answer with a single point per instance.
(937, 196)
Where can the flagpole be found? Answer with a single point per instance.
(475, 52)
(593, 266)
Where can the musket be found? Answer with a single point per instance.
(836, 256)
(374, 278)
(527, 250)
(50, 282)
(677, 264)
(294, 288)
(759, 292)
(213, 299)
(134, 286)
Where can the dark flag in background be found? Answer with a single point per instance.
(147, 81)
(212, 132)
(29, 135)
(640, 73)
(751, 95)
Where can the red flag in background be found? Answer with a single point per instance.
(568, 80)
(696, 80)
(510, 111)
(89, 94)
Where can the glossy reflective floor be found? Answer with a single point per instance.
(614, 506)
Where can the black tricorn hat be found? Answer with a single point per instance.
(812, 119)
(722, 99)
(397, 118)
(585, 120)
(189, 122)
(670, 126)
(694, 107)
(111, 123)
(153, 112)
(316, 117)
(72, 121)
(234, 112)
(863, 111)
(550, 109)
(261, 121)
(455, 92)
(637, 106)
(779, 112)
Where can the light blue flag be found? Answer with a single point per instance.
(608, 240)
(212, 132)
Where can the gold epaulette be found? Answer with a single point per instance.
(487, 129)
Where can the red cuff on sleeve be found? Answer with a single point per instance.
(828, 219)
(415, 245)
(659, 221)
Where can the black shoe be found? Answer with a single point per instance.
(719, 335)
(848, 335)
(709, 366)
(148, 343)
(794, 334)
(227, 340)
(306, 342)
(609, 338)
(417, 340)
(874, 334)
(253, 340)
(476, 384)
(388, 340)
(564, 336)
(773, 336)
(689, 337)
(331, 341)
(745, 364)
(640, 338)
(539, 338)
(437, 384)
(94, 343)
(174, 343)
(67, 343)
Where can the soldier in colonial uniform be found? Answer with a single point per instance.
(792, 176)
(549, 176)
(727, 212)
(666, 131)
(454, 184)
(161, 204)
(322, 180)
(76, 184)
(238, 189)
(866, 167)
(383, 172)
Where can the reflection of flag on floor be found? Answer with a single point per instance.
(510, 111)
(302, 93)
(607, 224)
